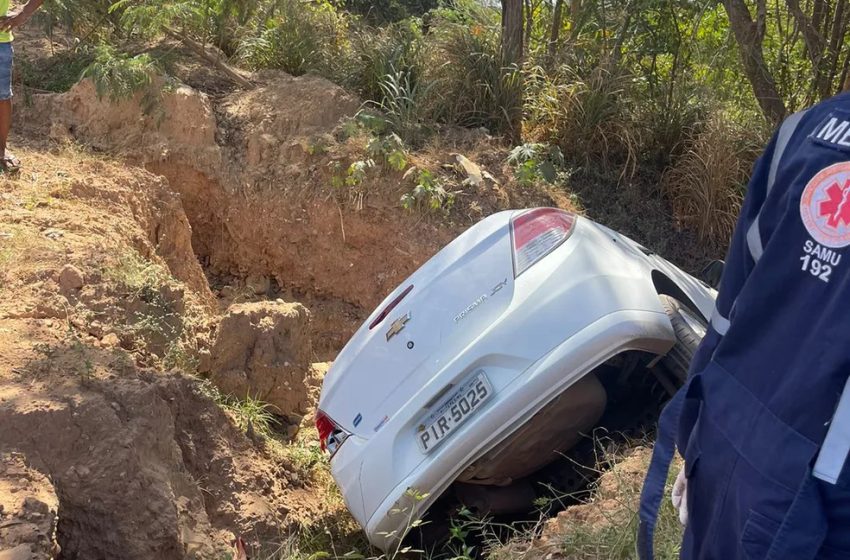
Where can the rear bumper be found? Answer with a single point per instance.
(514, 404)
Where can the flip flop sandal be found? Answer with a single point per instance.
(10, 163)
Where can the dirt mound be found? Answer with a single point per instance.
(28, 511)
(158, 452)
(263, 350)
(607, 508)
(96, 266)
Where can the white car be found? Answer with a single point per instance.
(495, 357)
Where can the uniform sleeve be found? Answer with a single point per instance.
(739, 258)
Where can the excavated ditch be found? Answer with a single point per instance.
(254, 172)
(257, 192)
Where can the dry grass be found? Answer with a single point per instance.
(30, 237)
(706, 185)
(605, 526)
(588, 117)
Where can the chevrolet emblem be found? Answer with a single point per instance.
(398, 326)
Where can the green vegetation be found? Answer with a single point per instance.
(137, 274)
(612, 533)
(57, 75)
(117, 75)
(629, 91)
(161, 325)
(249, 414)
(535, 161)
(428, 192)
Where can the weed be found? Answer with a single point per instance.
(136, 273)
(179, 357)
(472, 86)
(533, 162)
(376, 53)
(407, 506)
(402, 105)
(56, 74)
(389, 150)
(320, 145)
(84, 364)
(610, 531)
(358, 171)
(249, 413)
(589, 117)
(428, 192)
(303, 37)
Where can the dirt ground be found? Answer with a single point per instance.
(100, 297)
(210, 235)
(141, 251)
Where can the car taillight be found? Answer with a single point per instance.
(331, 436)
(536, 233)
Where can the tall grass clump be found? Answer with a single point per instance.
(706, 184)
(670, 120)
(300, 38)
(403, 106)
(472, 88)
(591, 117)
(378, 53)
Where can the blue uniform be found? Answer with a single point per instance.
(764, 420)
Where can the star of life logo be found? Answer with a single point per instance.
(825, 206)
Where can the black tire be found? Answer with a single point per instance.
(686, 325)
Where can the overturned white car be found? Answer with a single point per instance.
(495, 357)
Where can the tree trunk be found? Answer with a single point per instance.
(839, 29)
(811, 38)
(557, 22)
(512, 55)
(749, 35)
(512, 31)
(575, 19)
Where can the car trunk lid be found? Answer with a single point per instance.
(426, 321)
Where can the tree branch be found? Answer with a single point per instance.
(213, 59)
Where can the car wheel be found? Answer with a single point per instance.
(690, 328)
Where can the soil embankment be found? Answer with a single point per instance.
(256, 172)
(119, 281)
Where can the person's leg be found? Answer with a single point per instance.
(5, 125)
(837, 504)
(8, 162)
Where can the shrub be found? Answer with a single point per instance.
(471, 86)
(403, 107)
(382, 11)
(303, 37)
(389, 151)
(536, 161)
(590, 118)
(57, 73)
(117, 75)
(669, 120)
(706, 185)
(428, 192)
(377, 53)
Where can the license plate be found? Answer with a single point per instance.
(462, 404)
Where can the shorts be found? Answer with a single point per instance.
(5, 71)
